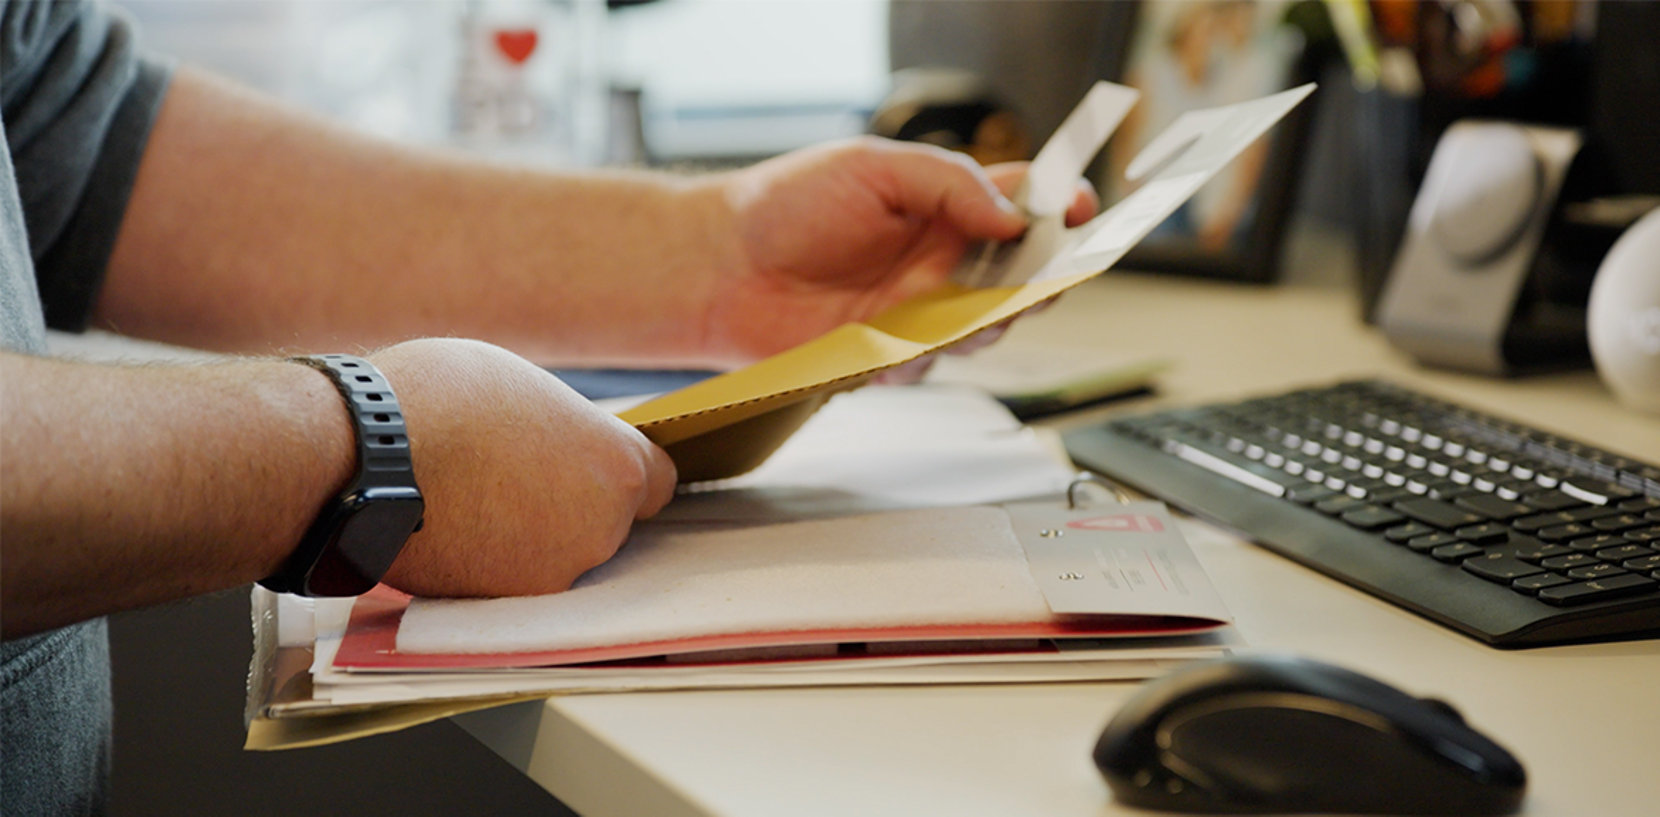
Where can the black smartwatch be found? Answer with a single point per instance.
(356, 537)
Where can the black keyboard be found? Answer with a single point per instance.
(1501, 531)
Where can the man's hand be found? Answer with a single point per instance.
(527, 484)
(840, 232)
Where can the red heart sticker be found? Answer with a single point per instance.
(1124, 522)
(517, 44)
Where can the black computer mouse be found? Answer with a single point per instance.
(1278, 734)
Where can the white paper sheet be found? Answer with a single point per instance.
(887, 448)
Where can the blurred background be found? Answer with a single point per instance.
(695, 84)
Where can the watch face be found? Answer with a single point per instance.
(377, 523)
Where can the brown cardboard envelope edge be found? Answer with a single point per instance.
(729, 424)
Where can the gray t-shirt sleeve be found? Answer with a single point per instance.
(78, 101)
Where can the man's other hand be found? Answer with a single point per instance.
(527, 484)
(841, 232)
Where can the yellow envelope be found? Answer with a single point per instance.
(731, 423)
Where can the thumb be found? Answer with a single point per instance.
(661, 477)
(934, 183)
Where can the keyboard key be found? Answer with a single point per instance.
(1620, 554)
(1484, 534)
(1545, 520)
(1218, 461)
(1598, 590)
(1531, 585)
(1644, 535)
(1384, 496)
(1618, 522)
(1594, 491)
(1438, 514)
(1453, 554)
(1501, 568)
(1449, 491)
(1371, 517)
(1601, 571)
(1551, 500)
(1561, 532)
(1431, 541)
(1540, 552)
(1591, 544)
(1308, 494)
(1338, 504)
(1570, 561)
(1493, 507)
(1640, 504)
(1401, 533)
(1643, 565)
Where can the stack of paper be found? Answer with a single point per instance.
(797, 574)
(900, 597)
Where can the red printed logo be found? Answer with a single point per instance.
(1124, 522)
(516, 44)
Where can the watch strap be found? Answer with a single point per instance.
(326, 562)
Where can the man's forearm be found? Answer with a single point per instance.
(124, 486)
(252, 226)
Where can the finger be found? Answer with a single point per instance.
(932, 182)
(991, 334)
(981, 339)
(1008, 175)
(911, 371)
(661, 476)
(1084, 205)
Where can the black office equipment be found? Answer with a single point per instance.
(1278, 734)
(1509, 534)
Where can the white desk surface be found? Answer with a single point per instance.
(1585, 720)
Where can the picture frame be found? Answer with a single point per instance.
(1200, 54)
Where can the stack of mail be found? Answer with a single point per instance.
(800, 573)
